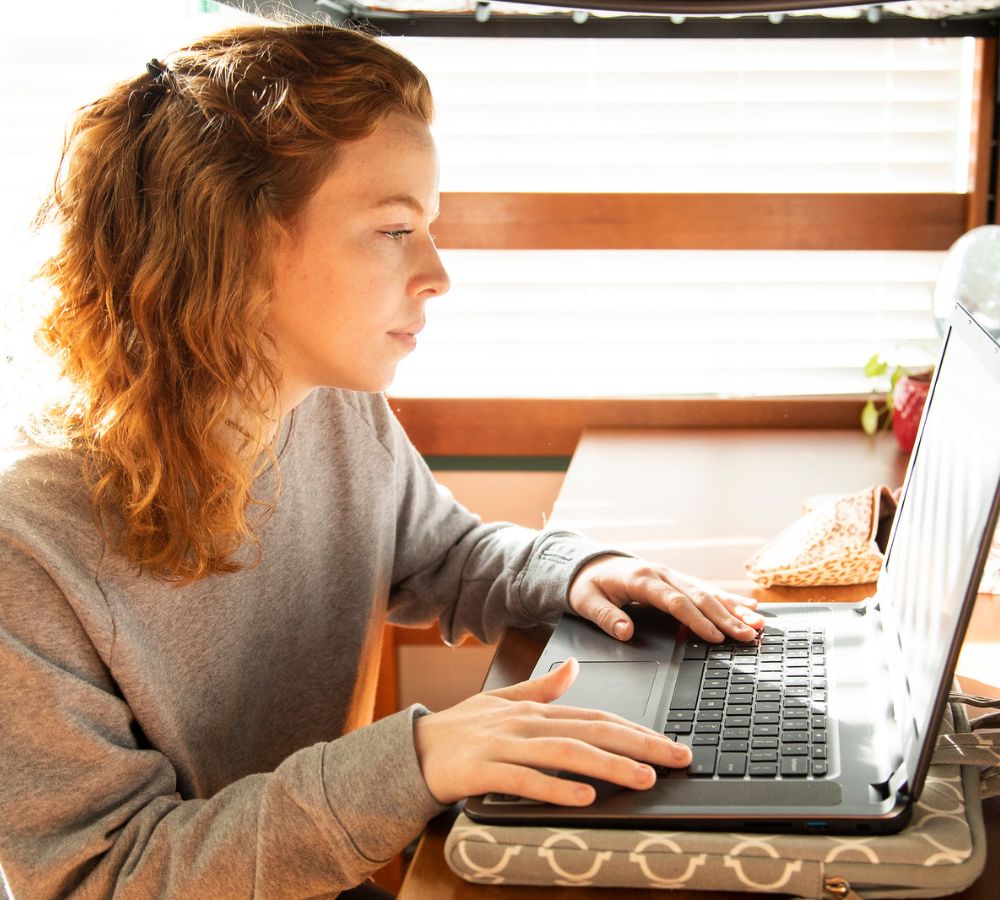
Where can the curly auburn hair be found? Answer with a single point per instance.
(171, 191)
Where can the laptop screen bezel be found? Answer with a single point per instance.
(962, 327)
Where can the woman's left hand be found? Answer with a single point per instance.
(606, 583)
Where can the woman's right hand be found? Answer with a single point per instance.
(498, 741)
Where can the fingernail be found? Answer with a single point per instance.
(644, 774)
(584, 794)
(620, 629)
(682, 752)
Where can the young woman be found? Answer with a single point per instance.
(201, 544)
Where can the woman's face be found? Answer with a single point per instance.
(358, 267)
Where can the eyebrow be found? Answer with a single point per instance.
(402, 200)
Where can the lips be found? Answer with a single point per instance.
(410, 330)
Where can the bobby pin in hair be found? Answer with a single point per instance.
(157, 69)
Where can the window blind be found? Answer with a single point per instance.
(699, 115)
(589, 115)
(658, 323)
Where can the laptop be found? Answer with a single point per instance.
(825, 723)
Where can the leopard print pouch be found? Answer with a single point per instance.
(841, 541)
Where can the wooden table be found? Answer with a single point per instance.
(701, 501)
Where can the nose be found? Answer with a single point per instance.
(433, 280)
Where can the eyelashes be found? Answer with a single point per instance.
(403, 232)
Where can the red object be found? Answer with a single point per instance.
(908, 398)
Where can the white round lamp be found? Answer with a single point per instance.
(971, 275)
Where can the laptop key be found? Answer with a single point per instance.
(701, 727)
(794, 750)
(705, 740)
(680, 715)
(763, 770)
(819, 767)
(732, 764)
(794, 766)
(819, 751)
(763, 756)
(764, 743)
(790, 724)
(695, 650)
(819, 737)
(688, 681)
(702, 761)
(734, 747)
(678, 727)
(709, 715)
(765, 731)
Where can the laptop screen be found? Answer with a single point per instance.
(936, 550)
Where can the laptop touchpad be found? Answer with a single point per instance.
(622, 688)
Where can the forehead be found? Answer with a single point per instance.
(398, 159)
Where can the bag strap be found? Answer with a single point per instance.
(978, 747)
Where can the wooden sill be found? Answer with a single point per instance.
(668, 221)
(552, 427)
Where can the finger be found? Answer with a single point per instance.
(606, 615)
(578, 757)
(506, 778)
(640, 744)
(708, 616)
(748, 616)
(544, 689)
(587, 716)
(710, 621)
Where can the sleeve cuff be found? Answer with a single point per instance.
(544, 586)
(375, 788)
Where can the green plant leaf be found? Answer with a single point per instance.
(869, 418)
(876, 366)
(897, 373)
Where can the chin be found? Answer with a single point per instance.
(375, 384)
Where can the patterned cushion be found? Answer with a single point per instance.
(941, 851)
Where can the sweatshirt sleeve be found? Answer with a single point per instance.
(89, 808)
(476, 578)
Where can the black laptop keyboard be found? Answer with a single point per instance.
(754, 709)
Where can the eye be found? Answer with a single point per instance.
(398, 235)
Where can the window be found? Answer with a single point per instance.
(692, 117)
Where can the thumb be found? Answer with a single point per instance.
(545, 689)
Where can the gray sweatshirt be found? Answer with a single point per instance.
(215, 740)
